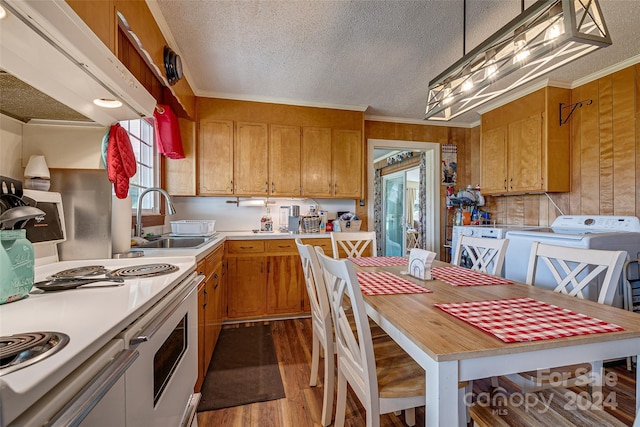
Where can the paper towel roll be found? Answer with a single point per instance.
(121, 225)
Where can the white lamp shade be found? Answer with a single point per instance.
(37, 168)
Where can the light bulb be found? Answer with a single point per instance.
(467, 85)
(447, 99)
(554, 31)
(491, 70)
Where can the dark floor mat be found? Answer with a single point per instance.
(243, 369)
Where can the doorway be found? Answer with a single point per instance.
(430, 229)
(400, 206)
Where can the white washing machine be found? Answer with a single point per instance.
(574, 231)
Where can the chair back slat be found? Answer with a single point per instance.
(575, 269)
(355, 244)
(354, 349)
(317, 292)
(486, 255)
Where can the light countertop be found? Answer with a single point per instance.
(221, 237)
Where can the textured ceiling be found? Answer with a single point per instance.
(378, 55)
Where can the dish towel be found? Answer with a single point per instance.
(121, 161)
(168, 132)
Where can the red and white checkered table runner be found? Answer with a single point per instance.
(459, 276)
(526, 319)
(384, 283)
(379, 261)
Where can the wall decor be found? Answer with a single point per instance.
(449, 164)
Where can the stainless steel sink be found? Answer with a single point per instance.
(176, 243)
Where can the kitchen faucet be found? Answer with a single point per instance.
(170, 208)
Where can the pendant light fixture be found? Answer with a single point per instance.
(543, 37)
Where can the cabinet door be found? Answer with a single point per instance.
(246, 287)
(216, 157)
(316, 162)
(284, 284)
(251, 159)
(284, 160)
(525, 154)
(213, 315)
(347, 163)
(494, 161)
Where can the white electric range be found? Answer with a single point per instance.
(105, 374)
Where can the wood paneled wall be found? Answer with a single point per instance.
(605, 155)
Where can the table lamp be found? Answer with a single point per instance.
(36, 174)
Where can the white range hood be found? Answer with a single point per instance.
(47, 45)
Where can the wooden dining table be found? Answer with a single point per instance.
(452, 351)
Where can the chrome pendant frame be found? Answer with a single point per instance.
(527, 45)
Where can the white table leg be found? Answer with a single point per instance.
(442, 395)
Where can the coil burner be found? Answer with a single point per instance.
(147, 270)
(21, 350)
(83, 271)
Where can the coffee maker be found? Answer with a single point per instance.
(294, 219)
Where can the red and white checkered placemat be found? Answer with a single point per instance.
(379, 261)
(526, 319)
(460, 276)
(384, 283)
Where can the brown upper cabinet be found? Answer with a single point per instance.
(215, 156)
(523, 147)
(316, 162)
(284, 161)
(346, 163)
(256, 159)
(250, 159)
(331, 163)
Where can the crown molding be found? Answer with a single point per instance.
(285, 101)
(606, 71)
(403, 120)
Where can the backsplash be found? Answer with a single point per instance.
(230, 217)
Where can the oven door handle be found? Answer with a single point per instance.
(79, 407)
(147, 333)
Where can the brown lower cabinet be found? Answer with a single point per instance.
(256, 279)
(265, 278)
(210, 309)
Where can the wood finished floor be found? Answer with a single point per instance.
(303, 405)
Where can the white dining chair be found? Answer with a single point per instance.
(321, 327)
(486, 254)
(354, 243)
(574, 270)
(385, 379)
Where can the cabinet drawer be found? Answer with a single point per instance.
(285, 245)
(325, 244)
(245, 246)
